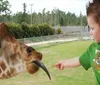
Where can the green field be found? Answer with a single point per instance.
(52, 53)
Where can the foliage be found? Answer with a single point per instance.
(24, 30)
(24, 14)
(54, 18)
(45, 29)
(4, 6)
(34, 31)
(59, 31)
(15, 30)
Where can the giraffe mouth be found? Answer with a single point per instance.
(41, 65)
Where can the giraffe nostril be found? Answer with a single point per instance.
(30, 49)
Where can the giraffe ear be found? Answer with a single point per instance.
(3, 30)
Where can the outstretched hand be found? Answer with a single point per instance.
(68, 63)
(59, 65)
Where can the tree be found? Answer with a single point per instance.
(43, 13)
(24, 15)
(4, 7)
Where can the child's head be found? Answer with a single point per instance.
(93, 8)
(93, 18)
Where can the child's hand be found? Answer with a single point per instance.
(68, 63)
(60, 65)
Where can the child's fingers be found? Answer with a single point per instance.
(57, 65)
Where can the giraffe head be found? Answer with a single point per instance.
(16, 57)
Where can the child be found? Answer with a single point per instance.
(91, 57)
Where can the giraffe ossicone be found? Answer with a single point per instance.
(16, 57)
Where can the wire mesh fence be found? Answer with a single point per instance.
(56, 38)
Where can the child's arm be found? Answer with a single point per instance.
(69, 63)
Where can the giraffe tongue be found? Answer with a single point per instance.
(40, 64)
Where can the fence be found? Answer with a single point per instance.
(55, 38)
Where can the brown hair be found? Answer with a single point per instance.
(93, 8)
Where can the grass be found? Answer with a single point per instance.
(52, 53)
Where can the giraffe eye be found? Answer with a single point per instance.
(29, 50)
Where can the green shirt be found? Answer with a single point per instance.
(91, 58)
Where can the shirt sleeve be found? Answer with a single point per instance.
(84, 59)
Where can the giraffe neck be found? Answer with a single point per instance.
(10, 66)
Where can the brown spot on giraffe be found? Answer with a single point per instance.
(16, 57)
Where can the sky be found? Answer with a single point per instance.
(73, 6)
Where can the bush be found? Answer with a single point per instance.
(45, 29)
(24, 30)
(58, 31)
(15, 30)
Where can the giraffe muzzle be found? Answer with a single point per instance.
(41, 65)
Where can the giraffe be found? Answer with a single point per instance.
(16, 57)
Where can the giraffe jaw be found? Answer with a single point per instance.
(41, 65)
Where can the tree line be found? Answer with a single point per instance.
(54, 17)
